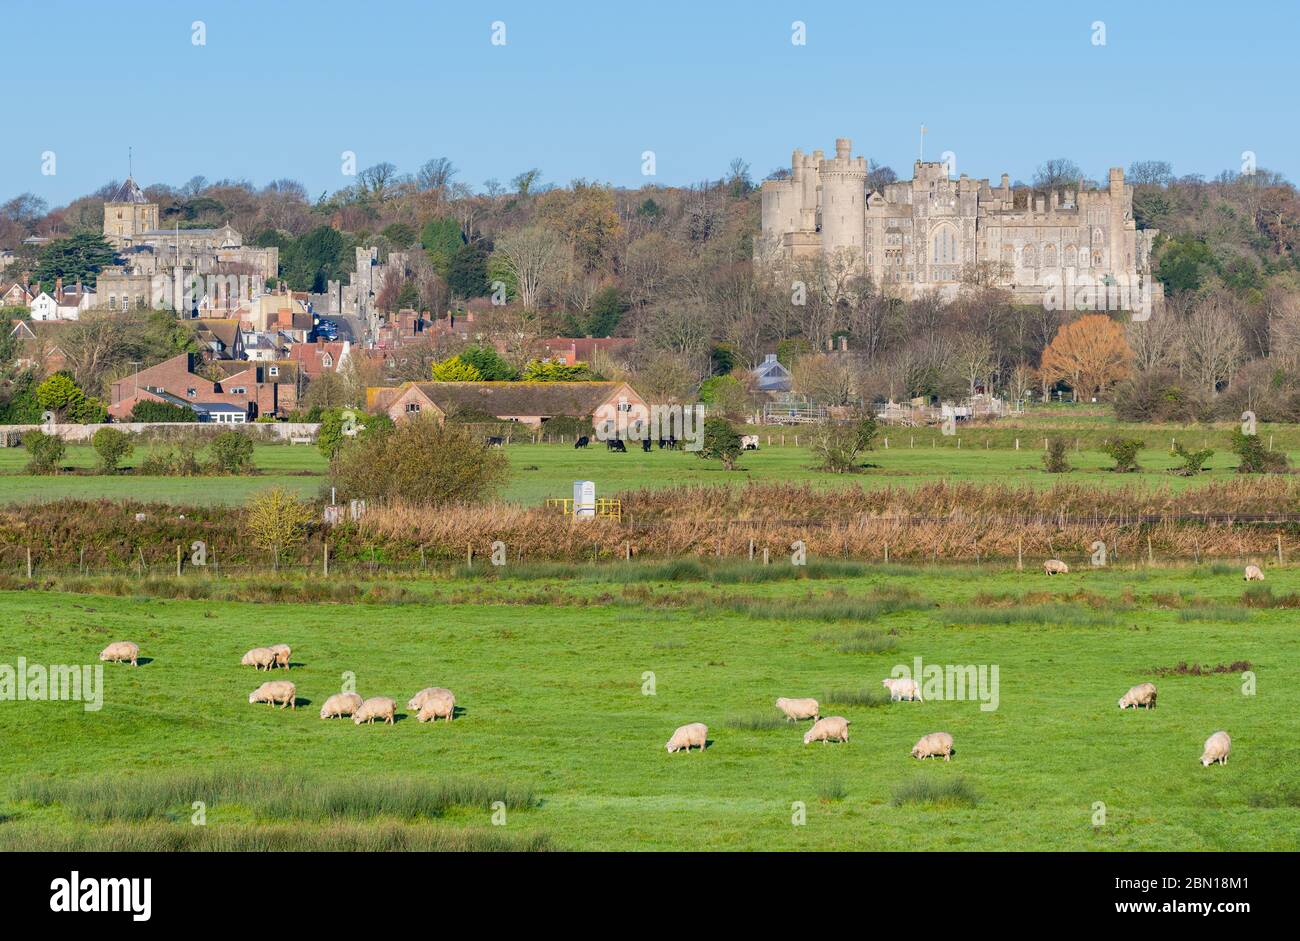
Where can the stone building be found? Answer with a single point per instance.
(934, 233)
(177, 268)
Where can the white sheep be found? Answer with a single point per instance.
(796, 709)
(933, 745)
(902, 687)
(438, 707)
(1056, 567)
(262, 658)
(1254, 574)
(340, 705)
(122, 651)
(688, 737)
(417, 701)
(1217, 747)
(376, 707)
(1144, 695)
(824, 730)
(276, 691)
(282, 653)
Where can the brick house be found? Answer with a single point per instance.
(257, 388)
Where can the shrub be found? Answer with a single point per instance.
(1255, 458)
(1159, 395)
(455, 370)
(568, 426)
(1054, 459)
(46, 451)
(277, 521)
(232, 453)
(838, 444)
(168, 461)
(421, 461)
(721, 443)
(112, 446)
(1193, 461)
(339, 425)
(1124, 452)
(147, 410)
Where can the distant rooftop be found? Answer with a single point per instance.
(129, 192)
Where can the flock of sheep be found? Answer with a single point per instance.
(429, 704)
(435, 702)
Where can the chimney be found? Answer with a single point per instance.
(844, 344)
(79, 291)
(1006, 182)
(58, 289)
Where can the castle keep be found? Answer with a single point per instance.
(933, 233)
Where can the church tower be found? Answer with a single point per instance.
(127, 214)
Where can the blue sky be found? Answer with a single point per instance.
(282, 87)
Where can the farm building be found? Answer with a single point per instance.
(529, 403)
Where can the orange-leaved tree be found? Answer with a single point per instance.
(1090, 354)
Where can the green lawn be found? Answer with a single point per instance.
(549, 470)
(550, 673)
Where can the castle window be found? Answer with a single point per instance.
(945, 246)
(1028, 256)
(1049, 256)
(1071, 256)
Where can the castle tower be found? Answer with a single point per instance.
(128, 213)
(843, 200)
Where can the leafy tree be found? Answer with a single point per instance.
(725, 394)
(232, 453)
(1254, 457)
(467, 273)
(441, 240)
(422, 461)
(839, 444)
(542, 370)
(1193, 461)
(1124, 452)
(46, 452)
(456, 369)
(1090, 354)
(112, 446)
(607, 310)
(491, 367)
(277, 521)
(399, 234)
(721, 443)
(313, 260)
(1184, 264)
(76, 258)
(59, 393)
(1054, 459)
(147, 410)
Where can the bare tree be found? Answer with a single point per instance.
(534, 257)
(1212, 345)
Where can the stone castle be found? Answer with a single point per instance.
(934, 234)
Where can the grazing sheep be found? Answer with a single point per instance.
(122, 651)
(689, 736)
(831, 727)
(902, 688)
(1144, 695)
(417, 701)
(282, 653)
(796, 709)
(1253, 574)
(749, 442)
(933, 745)
(438, 707)
(1056, 567)
(262, 658)
(276, 691)
(340, 705)
(376, 707)
(1217, 747)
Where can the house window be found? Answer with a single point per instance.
(240, 391)
(275, 370)
(412, 407)
(191, 392)
(112, 302)
(327, 360)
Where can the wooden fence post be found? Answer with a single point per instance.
(1279, 548)
(178, 561)
(1020, 553)
(29, 563)
(327, 560)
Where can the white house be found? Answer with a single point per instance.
(62, 305)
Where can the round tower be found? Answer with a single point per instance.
(843, 200)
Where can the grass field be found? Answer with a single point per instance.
(548, 470)
(549, 665)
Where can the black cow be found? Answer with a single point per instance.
(670, 443)
(616, 444)
(495, 441)
(645, 445)
(582, 442)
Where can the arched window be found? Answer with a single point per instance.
(1049, 256)
(1028, 257)
(1071, 256)
(945, 246)
(1008, 254)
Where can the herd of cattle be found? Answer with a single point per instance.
(436, 702)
